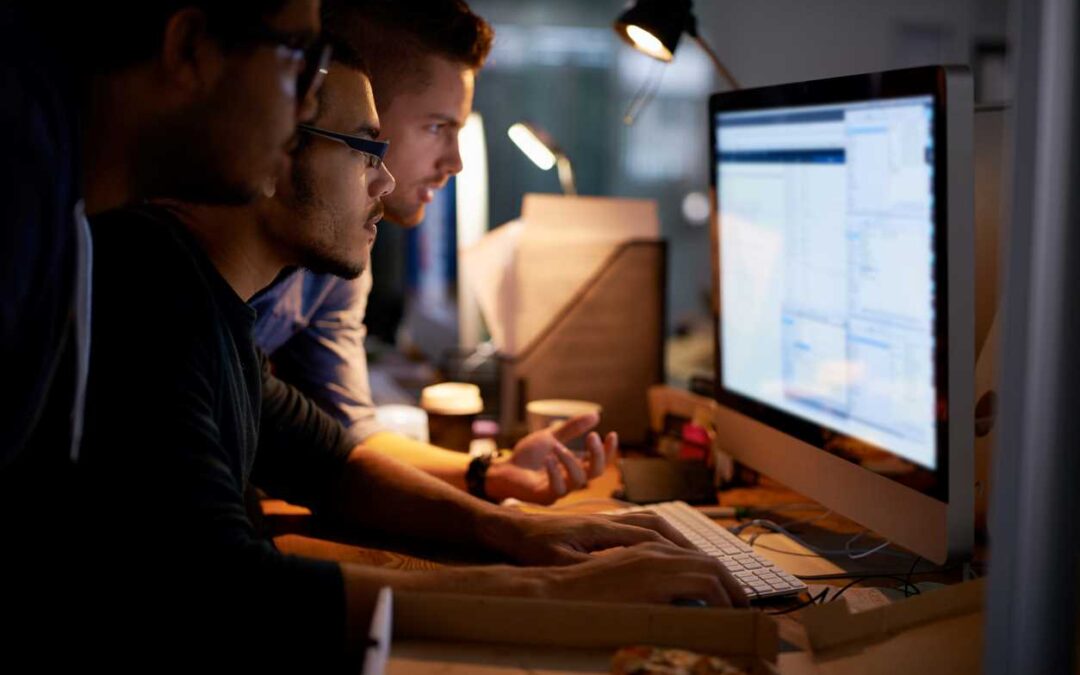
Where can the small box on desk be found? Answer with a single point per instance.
(468, 634)
(606, 346)
(573, 296)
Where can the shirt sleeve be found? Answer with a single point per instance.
(327, 362)
(302, 449)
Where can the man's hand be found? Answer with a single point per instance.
(531, 539)
(657, 573)
(542, 469)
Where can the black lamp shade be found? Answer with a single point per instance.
(664, 20)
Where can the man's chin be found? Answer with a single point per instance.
(346, 269)
(407, 218)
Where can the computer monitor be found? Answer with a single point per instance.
(844, 296)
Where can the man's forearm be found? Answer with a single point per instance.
(383, 494)
(446, 465)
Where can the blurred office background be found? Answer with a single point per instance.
(559, 64)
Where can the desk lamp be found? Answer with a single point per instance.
(544, 153)
(654, 27)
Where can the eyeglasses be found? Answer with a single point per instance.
(373, 151)
(312, 56)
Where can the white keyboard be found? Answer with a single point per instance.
(760, 577)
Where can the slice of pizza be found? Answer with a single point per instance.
(661, 661)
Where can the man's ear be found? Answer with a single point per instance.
(190, 59)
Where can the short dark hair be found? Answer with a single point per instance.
(346, 55)
(128, 33)
(393, 36)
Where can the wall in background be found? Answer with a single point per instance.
(558, 63)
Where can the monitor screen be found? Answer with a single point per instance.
(827, 273)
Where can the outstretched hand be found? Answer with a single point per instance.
(542, 469)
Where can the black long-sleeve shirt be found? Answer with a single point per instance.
(182, 415)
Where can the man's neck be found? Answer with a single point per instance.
(108, 164)
(231, 238)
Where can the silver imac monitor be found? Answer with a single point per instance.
(844, 296)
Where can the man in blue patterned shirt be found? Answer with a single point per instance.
(423, 59)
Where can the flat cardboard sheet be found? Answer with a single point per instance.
(441, 633)
(527, 271)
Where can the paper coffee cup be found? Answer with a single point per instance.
(452, 408)
(407, 420)
(548, 412)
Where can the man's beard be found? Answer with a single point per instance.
(326, 258)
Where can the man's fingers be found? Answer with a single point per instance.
(611, 446)
(693, 586)
(597, 458)
(573, 467)
(576, 426)
(734, 589)
(651, 521)
(556, 482)
(686, 575)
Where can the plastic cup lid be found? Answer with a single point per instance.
(561, 407)
(452, 398)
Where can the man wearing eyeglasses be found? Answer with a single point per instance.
(424, 57)
(104, 104)
(173, 465)
(197, 100)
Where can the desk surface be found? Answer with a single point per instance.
(824, 530)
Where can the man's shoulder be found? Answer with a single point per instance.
(143, 255)
(143, 236)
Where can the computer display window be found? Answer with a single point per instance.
(827, 267)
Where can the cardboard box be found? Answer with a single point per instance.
(454, 634)
(940, 632)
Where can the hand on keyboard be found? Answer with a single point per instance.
(757, 576)
(653, 572)
(565, 540)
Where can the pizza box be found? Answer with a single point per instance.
(457, 634)
(937, 633)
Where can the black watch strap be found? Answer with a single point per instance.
(476, 475)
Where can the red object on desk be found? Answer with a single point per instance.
(695, 444)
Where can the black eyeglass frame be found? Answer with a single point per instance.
(367, 146)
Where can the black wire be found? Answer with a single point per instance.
(645, 94)
(910, 572)
(854, 582)
(814, 599)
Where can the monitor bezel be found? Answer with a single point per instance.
(908, 83)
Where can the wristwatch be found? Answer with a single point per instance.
(476, 475)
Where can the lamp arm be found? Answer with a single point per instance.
(692, 31)
(566, 174)
(724, 72)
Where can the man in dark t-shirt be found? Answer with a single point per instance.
(183, 418)
(103, 104)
